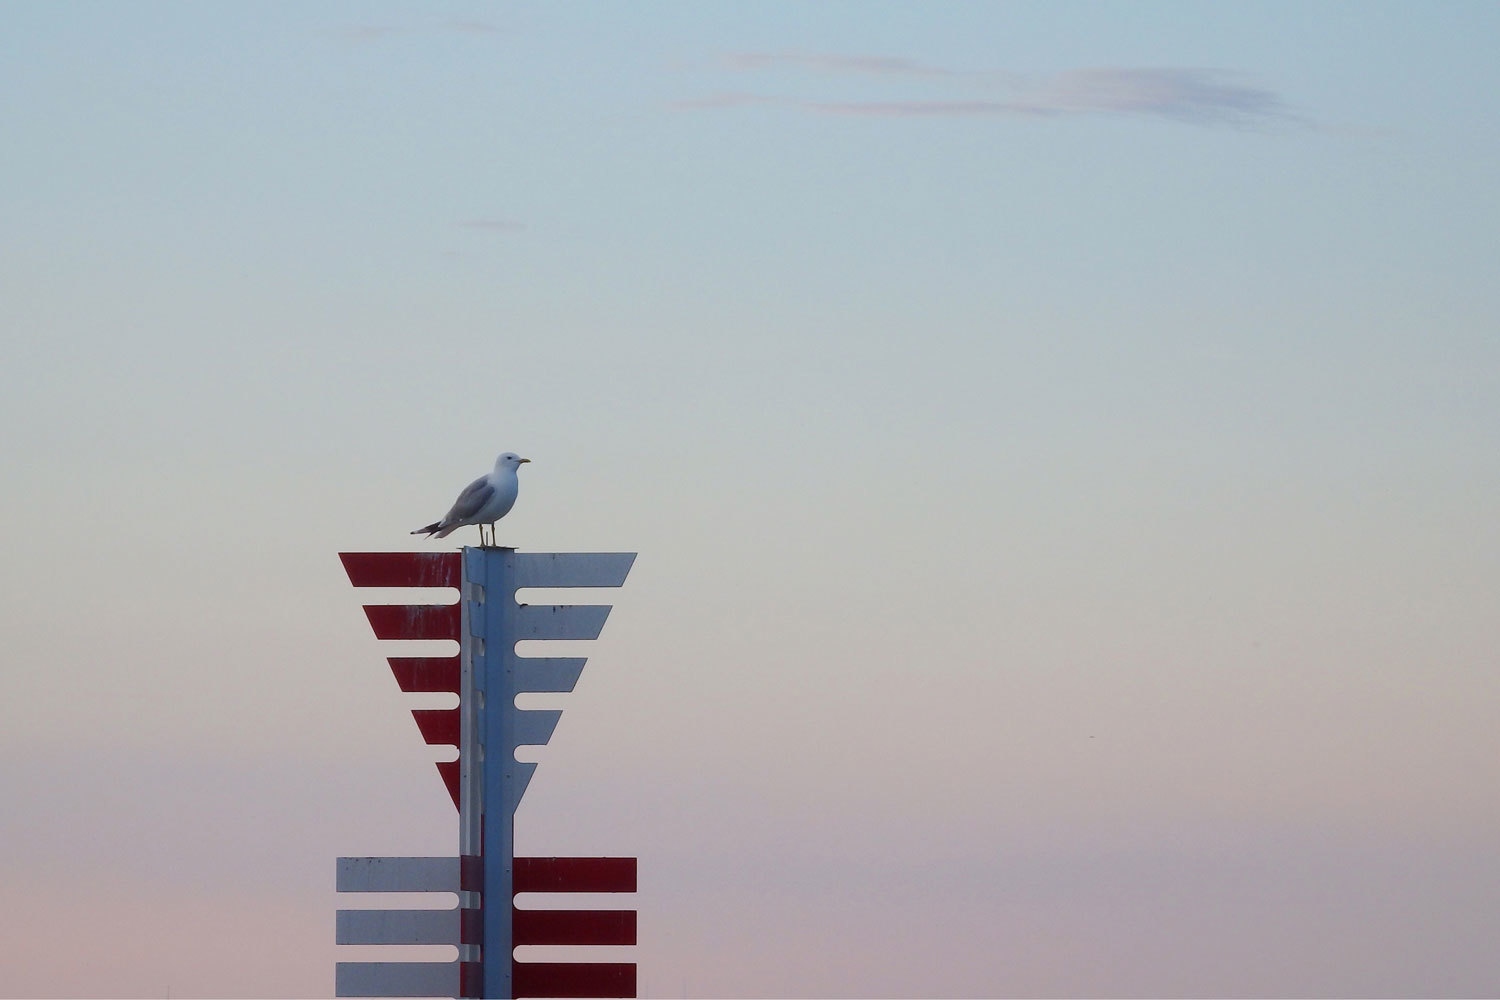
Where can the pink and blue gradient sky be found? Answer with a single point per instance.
(1062, 444)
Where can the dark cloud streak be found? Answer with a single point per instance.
(1185, 94)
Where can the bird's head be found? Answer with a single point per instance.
(510, 460)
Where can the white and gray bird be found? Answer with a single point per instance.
(484, 501)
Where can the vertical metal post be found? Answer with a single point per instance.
(489, 830)
(472, 676)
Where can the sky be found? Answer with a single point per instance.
(1061, 441)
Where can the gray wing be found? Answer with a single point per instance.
(470, 501)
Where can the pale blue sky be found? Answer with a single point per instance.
(1061, 442)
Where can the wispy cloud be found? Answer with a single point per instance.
(823, 62)
(494, 225)
(368, 32)
(1185, 94)
(1203, 96)
(475, 27)
(380, 32)
(732, 99)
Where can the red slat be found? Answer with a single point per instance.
(449, 771)
(438, 725)
(574, 875)
(414, 621)
(470, 979)
(426, 673)
(572, 926)
(471, 925)
(572, 979)
(471, 872)
(403, 569)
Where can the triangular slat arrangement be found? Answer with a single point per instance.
(418, 674)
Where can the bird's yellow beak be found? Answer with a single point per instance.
(524, 460)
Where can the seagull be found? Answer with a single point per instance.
(484, 501)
